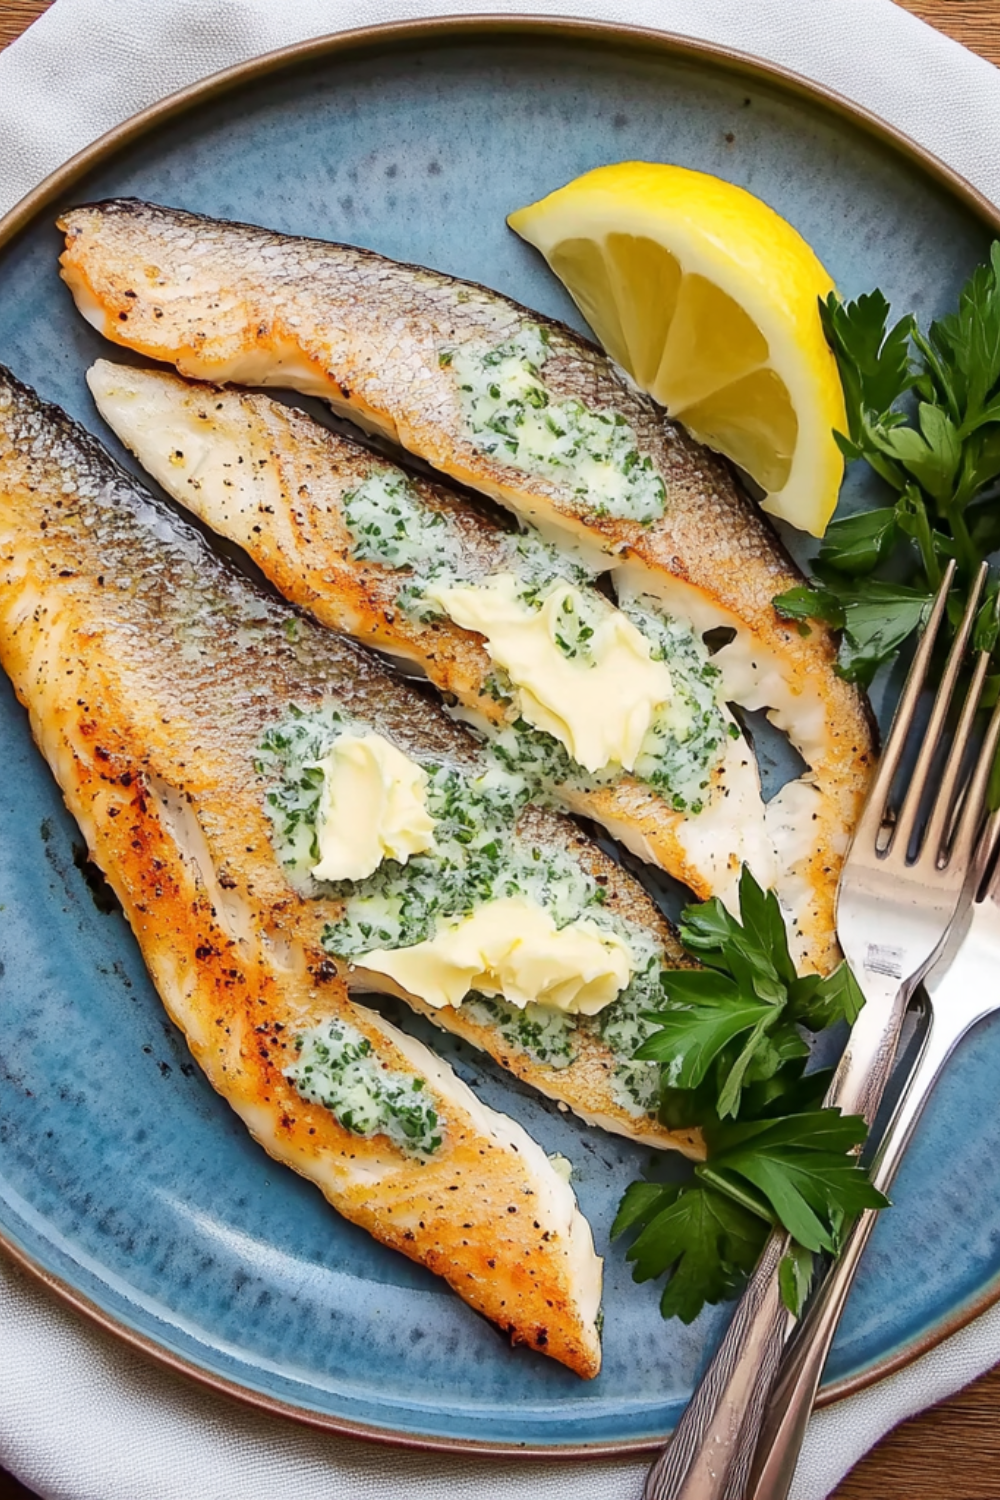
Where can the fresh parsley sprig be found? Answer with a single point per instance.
(707, 1234)
(923, 411)
(704, 1239)
(738, 1021)
(732, 1051)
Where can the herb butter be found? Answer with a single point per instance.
(389, 523)
(478, 856)
(624, 1027)
(583, 672)
(549, 1036)
(513, 415)
(373, 806)
(512, 948)
(337, 1067)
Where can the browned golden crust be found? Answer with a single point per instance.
(148, 671)
(235, 674)
(285, 506)
(231, 302)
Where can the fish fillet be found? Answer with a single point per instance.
(280, 485)
(147, 669)
(390, 345)
(581, 1061)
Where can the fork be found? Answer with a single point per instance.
(961, 993)
(894, 914)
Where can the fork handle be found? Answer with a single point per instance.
(795, 1390)
(867, 1059)
(712, 1448)
(705, 1454)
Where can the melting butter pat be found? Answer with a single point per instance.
(373, 807)
(582, 670)
(512, 947)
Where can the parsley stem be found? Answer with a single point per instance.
(737, 1191)
(937, 374)
(968, 554)
(924, 538)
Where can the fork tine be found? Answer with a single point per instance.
(910, 810)
(963, 844)
(946, 812)
(873, 816)
(985, 851)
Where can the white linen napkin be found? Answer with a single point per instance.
(82, 1417)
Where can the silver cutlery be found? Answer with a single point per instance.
(894, 916)
(962, 993)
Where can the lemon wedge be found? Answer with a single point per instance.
(708, 299)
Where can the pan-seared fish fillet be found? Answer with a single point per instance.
(305, 504)
(284, 698)
(524, 410)
(149, 670)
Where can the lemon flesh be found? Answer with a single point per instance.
(709, 300)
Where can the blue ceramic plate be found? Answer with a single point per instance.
(123, 1178)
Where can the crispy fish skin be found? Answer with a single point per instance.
(230, 302)
(226, 632)
(146, 668)
(326, 666)
(271, 479)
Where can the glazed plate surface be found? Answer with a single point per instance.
(123, 1177)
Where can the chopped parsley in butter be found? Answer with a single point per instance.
(513, 416)
(338, 1068)
(479, 855)
(512, 948)
(583, 672)
(373, 806)
(549, 1036)
(624, 1027)
(390, 524)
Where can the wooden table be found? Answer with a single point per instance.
(953, 1451)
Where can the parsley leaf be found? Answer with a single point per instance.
(796, 1171)
(857, 544)
(878, 618)
(731, 1045)
(737, 1020)
(923, 410)
(801, 1166)
(874, 360)
(820, 1003)
(967, 345)
(795, 1278)
(701, 1237)
(805, 602)
(875, 618)
(691, 1036)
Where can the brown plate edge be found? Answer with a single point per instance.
(400, 33)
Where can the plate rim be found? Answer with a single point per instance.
(396, 34)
